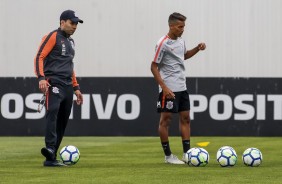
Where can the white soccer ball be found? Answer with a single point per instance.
(186, 155)
(197, 157)
(226, 156)
(252, 157)
(70, 155)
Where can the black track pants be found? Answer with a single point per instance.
(59, 102)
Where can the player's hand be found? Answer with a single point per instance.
(168, 93)
(43, 86)
(79, 100)
(201, 46)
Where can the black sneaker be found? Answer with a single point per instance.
(54, 163)
(48, 153)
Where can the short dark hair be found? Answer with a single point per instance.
(176, 16)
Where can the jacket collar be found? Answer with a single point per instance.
(63, 33)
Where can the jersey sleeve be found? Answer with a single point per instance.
(46, 45)
(160, 50)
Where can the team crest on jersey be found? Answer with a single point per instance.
(55, 90)
(169, 104)
(158, 104)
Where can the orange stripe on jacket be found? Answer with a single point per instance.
(47, 44)
(159, 48)
(47, 97)
(47, 101)
(74, 81)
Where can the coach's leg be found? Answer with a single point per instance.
(53, 101)
(53, 105)
(184, 126)
(63, 115)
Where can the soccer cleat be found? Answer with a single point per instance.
(172, 159)
(54, 163)
(48, 153)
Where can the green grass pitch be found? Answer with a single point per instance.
(136, 160)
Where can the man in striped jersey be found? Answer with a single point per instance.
(53, 65)
(169, 72)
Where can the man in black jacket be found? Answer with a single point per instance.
(53, 65)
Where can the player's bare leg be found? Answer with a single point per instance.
(163, 132)
(184, 126)
(164, 125)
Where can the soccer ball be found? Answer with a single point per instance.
(252, 157)
(197, 157)
(226, 156)
(186, 155)
(70, 155)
